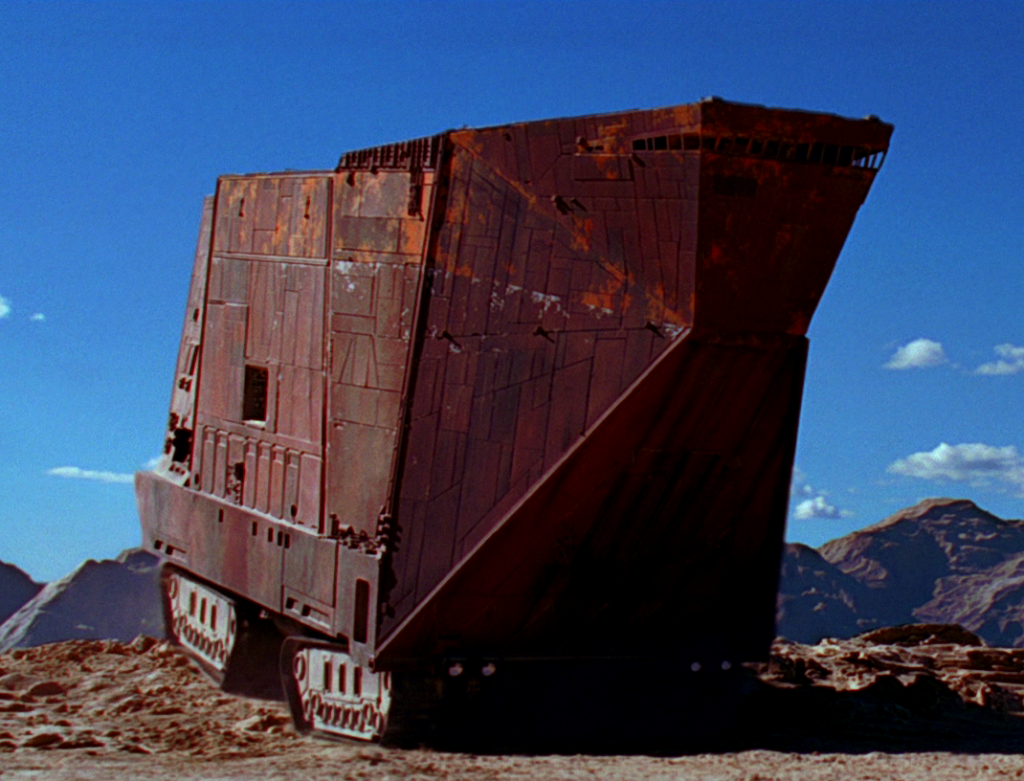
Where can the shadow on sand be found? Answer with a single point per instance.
(887, 716)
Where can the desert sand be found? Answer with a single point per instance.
(852, 710)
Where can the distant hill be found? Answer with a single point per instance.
(16, 588)
(940, 561)
(100, 600)
(816, 599)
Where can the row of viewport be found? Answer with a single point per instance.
(774, 149)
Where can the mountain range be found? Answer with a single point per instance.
(941, 561)
(115, 599)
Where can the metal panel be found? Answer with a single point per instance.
(277, 466)
(373, 285)
(309, 492)
(223, 363)
(309, 566)
(266, 295)
(359, 459)
(272, 215)
(263, 476)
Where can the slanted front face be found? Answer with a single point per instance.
(287, 409)
(571, 255)
(259, 439)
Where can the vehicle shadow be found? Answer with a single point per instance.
(888, 715)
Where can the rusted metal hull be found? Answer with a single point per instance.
(657, 534)
(525, 392)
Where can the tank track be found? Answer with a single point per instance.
(232, 641)
(333, 693)
(201, 620)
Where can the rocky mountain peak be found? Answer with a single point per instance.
(940, 536)
(942, 560)
(112, 599)
(16, 588)
(936, 507)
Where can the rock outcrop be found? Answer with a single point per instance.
(110, 600)
(910, 688)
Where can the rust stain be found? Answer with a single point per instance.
(604, 297)
(470, 140)
(452, 267)
(582, 234)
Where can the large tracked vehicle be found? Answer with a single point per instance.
(501, 422)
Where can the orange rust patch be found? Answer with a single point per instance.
(597, 300)
(608, 165)
(658, 308)
(460, 271)
(469, 140)
(412, 237)
(604, 296)
(676, 318)
(583, 234)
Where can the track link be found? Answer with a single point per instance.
(332, 693)
(201, 620)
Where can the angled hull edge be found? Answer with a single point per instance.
(657, 535)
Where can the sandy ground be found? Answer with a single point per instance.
(341, 763)
(107, 710)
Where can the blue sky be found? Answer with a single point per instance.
(115, 120)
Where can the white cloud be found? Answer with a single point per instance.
(5, 307)
(813, 502)
(818, 507)
(91, 474)
(799, 480)
(919, 354)
(152, 463)
(38, 317)
(1011, 361)
(973, 463)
